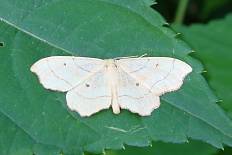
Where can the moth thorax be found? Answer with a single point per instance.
(110, 63)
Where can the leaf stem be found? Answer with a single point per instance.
(180, 13)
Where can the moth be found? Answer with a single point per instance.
(92, 84)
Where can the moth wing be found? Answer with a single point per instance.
(134, 96)
(90, 96)
(61, 73)
(159, 74)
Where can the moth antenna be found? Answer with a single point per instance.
(133, 56)
(145, 54)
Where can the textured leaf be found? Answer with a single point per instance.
(15, 141)
(37, 29)
(160, 148)
(214, 49)
(209, 48)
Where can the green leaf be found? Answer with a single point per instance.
(214, 50)
(15, 141)
(36, 29)
(160, 148)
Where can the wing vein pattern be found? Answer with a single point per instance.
(94, 84)
(143, 80)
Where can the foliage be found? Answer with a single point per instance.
(213, 49)
(35, 120)
(160, 148)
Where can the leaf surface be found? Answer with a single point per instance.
(160, 148)
(214, 50)
(36, 29)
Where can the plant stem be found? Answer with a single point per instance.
(180, 13)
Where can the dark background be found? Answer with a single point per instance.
(197, 11)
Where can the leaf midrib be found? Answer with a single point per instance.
(61, 48)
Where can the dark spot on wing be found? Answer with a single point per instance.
(87, 85)
(65, 64)
(115, 66)
(156, 65)
(137, 84)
